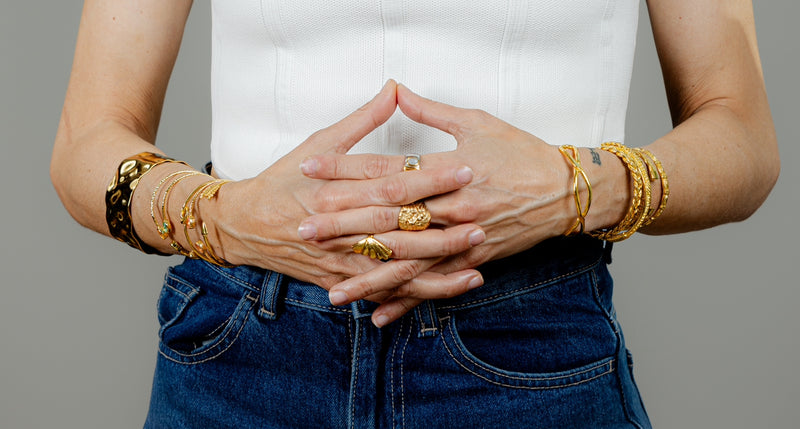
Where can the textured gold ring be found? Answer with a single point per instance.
(412, 162)
(414, 217)
(373, 248)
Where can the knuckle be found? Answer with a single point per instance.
(384, 219)
(455, 244)
(331, 227)
(480, 115)
(336, 165)
(400, 250)
(327, 201)
(407, 305)
(453, 290)
(405, 290)
(394, 191)
(404, 271)
(317, 135)
(462, 212)
(367, 288)
(475, 257)
(376, 167)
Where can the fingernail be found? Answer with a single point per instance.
(464, 175)
(475, 282)
(477, 237)
(381, 320)
(338, 297)
(307, 230)
(309, 166)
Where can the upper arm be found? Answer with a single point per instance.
(708, 55)
(123, 59)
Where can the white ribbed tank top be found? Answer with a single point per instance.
(282, 69)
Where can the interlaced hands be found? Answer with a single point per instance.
(257, 220)
(517, 193)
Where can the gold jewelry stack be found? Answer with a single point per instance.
(201, 248)
(119, 196)
(644, 169)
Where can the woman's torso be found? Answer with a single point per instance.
(283, 69)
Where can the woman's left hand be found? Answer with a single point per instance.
(521, 194)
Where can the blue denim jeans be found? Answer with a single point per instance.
(538, 346)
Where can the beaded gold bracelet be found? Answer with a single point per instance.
(119, 196)
(577, 172)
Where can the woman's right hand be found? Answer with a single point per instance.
(256, 220)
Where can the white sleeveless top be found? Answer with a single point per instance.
(282, 69)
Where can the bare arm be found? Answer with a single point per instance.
(722, 156)
(123, 59)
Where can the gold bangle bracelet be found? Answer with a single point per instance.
(572, 155)
(119, 196)
(155, 196)
(165, 229)
(201, 249)
(657, 172)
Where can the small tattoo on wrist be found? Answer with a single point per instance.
(595, 157)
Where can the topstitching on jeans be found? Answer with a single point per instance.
(313, 306)
(393, 369)
(176, 279)
(242, 311)
(597, 369)
(509, 293)
(234, 279)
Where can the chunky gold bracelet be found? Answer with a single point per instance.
(119, 196)
(577, 172)
(657, 172)
(201, 249)
(640, 198)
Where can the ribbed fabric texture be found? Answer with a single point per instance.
(283, 69)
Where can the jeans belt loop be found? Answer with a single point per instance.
(269, 295)
(426, 316)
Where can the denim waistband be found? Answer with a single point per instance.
(548, 262)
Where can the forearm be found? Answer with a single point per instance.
(83, 164)
(721, 168)
(721, 158)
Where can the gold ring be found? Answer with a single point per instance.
(373, 248)
(412, 162)
(414, 217)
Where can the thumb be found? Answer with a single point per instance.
(341, 136)
(450, 119)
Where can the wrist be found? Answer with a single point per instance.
(611, 189)
(158, 202)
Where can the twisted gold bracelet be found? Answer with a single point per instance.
(640, 199)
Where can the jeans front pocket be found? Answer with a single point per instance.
(557, 335)
(199, 322)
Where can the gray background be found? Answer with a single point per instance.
(710, 316)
